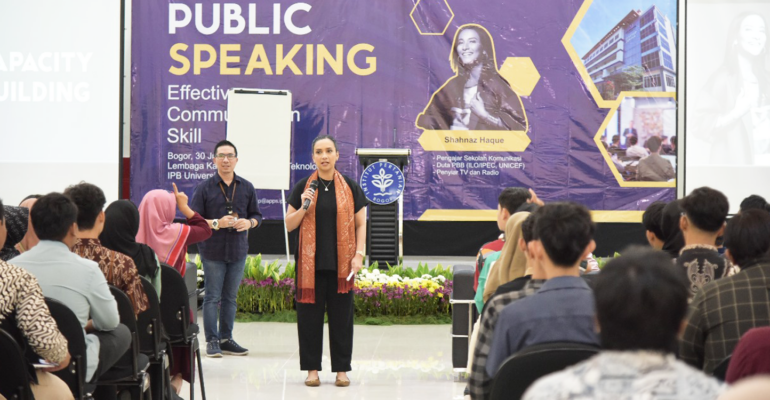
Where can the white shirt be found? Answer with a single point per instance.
(77, 283)
(637, 151)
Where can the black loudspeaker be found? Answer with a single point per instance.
(464, 313)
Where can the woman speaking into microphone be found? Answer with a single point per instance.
(332, 234)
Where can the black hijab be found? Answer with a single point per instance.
(120, 227)
(17, 222)
(673, 240)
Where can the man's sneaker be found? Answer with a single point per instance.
(231, 348)
(213, 350)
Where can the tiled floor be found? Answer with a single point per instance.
(389, 362)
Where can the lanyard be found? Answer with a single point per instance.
(228, 202)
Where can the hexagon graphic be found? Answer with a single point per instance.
(655, 118)
(521, 74)
(431, 17)
(607, 68)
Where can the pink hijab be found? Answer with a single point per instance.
(157, 228)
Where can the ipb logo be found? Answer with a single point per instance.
(382, 182)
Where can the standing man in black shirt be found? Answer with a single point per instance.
(229, 204)
(330, 251)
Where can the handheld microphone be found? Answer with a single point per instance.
(313, 186)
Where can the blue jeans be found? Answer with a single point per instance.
(222, 282)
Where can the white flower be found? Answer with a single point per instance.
(200, 272)
(376, 272)
(426, 276)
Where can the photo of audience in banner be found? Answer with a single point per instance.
(641, 139)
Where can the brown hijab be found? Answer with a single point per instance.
(512, 263)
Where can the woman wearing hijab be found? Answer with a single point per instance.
(121, 225)
(169, 240)
(17, 222)
(511, 264)
(158, 230)
(673, 241)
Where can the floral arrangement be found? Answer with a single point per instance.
(378, 293)
(395, 291)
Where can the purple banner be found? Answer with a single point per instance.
(363, 71)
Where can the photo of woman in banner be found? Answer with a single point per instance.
(733, 111)
(477, 97)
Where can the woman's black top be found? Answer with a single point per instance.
(326, 218)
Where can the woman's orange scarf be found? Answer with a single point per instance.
(346, 241)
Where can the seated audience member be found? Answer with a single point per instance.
(121, 224)
(703, 221)
(16, 223)
(30, 239)
(527, 236)
(673, 145)
(23, 299)
(723, 310)
(511, 264)
(635, 150)
(654, 167)
(755, 202)
(615, 144)
(479, 381)
(652, 220)
(673, 240)
(76, 282)
(508, 202)
(665, 146)
(641, 303)
(118, 268)
(563, 309)
(755, 388)
(158, 230)
(169, 240)
(751, 356)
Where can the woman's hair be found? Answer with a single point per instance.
(734, 49)
(487, 58)
(322, 137)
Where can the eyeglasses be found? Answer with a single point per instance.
(230, 156)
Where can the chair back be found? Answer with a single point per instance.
(128, 318)
(13, 369)
(148, 323)
(522, 369)
(720, 372)
(175, 308)
(69, 326)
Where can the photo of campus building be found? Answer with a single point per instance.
(637, 54)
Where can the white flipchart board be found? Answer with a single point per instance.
(259, 124)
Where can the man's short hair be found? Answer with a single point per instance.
(528, 228)
(225, 143)
(615, 138)
(90, 202)
(747, 236)
(2, 212)
(653, 144)
(754, 202)
(641, 301)
(32, 196)
(52, 216)
(565, 229)
(512, 198)
(673, 140)
(633, 140)
(652, 219)
(706, 208)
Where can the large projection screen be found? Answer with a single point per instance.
(728, 98)
(59, 96)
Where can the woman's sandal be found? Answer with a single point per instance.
(313, 382)
(342, 383)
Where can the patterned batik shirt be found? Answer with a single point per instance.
(480, 383)
(722, 312)
(20, 292)
(702, 264)
(627, 375)
(118, 269)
